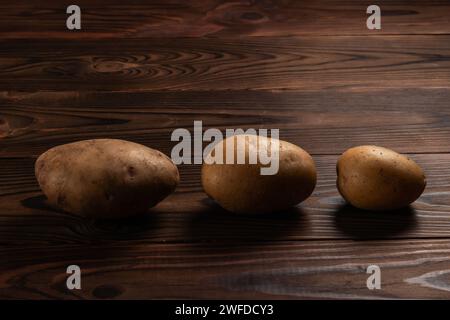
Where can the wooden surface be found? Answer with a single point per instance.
(140, 69)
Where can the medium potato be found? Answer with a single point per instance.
(376, 178)
(105, 178)
(241, 188)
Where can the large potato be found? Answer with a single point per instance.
(376, 178)
(105, 178)
(241, 188)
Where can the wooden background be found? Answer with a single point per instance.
(139, 69)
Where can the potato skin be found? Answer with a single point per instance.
(240, 188)
(377, 178)
(105, 178)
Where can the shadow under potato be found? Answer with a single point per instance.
(129, 228)
(39, 202)
(363, 224)
(215, 223)
(209, 224)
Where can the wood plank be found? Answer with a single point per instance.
(189, 216)
(322, 122)
(213, 18)
(310, 63)
(317, 269)
(140, 69)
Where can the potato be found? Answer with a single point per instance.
(241, 188)
(105, 178)
(376, 178)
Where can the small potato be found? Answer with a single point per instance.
(376, 178)
(241, 188)
(105, 178)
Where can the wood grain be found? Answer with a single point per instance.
(212, 18)
(320, 269)
(322, 122)
(309, 63)
(140, 69)
(189, 216)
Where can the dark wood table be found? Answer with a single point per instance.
(140, 69)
